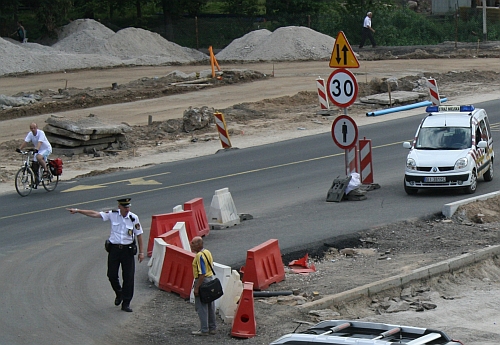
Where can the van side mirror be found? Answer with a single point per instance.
(482, 144)
(407, 145)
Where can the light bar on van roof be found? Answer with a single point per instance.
(438, 108)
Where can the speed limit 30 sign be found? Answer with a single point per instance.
(342, 88)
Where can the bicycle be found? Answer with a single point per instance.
(27, 179)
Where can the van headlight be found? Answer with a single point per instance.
(461, 163)
(411, 164)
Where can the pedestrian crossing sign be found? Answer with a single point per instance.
(342, 54)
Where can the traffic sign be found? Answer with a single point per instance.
(344, 132)
(342, 54)
(342, 88)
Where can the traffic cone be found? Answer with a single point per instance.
(244, 325)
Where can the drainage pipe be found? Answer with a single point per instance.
(271, 293)
(403, 107)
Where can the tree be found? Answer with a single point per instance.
(242, 7)
(52, 13)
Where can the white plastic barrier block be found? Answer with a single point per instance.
(178, 208)
(181, 226)
(222, 211)
(228, 303)
(222, 272)
(155, 264)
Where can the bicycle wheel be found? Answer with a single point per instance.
(24, 181)
(50, 182)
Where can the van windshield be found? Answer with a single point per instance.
(443, 138)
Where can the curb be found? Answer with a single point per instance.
(449, 209)
(401, 280)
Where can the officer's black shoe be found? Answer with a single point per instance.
(118, 300)
(126, 308)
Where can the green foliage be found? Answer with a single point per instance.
(52, 14)
(242, 7)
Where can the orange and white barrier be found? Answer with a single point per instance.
(177, 271)
(433, 91)
(365, 160)
(222, 213)
(194, 219)
(222, 129)
(244, 325)
(351, 160)
(323, 99)
(155, 264)
(264, 265)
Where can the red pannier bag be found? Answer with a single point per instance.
(56, 166)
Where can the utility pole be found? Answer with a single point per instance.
(485, 32)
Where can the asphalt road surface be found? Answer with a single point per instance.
(53, 263)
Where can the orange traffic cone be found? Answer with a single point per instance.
(244, 325)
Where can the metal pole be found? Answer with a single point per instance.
(485, 34)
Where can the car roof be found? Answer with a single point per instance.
(447, 119)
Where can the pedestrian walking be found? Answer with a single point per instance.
(368, 31)
(121, 247)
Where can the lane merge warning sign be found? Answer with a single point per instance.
(342, 54)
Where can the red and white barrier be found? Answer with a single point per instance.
(351, 160)
(222, 129)
(433, 91)
(323, 99)
(365, 160)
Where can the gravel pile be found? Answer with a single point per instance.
(86, 43)
(284, 44)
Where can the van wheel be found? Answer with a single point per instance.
(488, 176)
(409, 190)
(471, 189)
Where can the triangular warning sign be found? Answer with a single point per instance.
(342, 54)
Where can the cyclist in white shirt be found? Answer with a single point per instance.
(42, 146)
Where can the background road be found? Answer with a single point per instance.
(53, 263)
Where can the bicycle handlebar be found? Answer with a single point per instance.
(26, 152)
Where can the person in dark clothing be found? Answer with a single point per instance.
(367, 31)
(125, 227)
(20, 31)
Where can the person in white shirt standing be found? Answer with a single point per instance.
(42, 146)
(367, 31)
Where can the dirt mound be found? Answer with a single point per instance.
(284, 44)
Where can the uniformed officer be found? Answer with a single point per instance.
(121, 247)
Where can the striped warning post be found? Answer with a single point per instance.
(222, 129)
(323, 100)
(365, 161)
(433, 91)
(351, 160)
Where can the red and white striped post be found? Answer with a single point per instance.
(365, 160)
(222, 129)
(351, 160)
(433, 91)
(323, 99)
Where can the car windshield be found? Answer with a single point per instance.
(443, 138)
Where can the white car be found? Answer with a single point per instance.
(344, 332)
(452, 148)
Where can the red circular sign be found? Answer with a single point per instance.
(342, 88)
(344, 132)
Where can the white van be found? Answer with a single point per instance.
(452, 148)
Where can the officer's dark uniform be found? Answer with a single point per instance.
(122, 240)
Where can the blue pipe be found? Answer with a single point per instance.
(403, 107)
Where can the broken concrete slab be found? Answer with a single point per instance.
(88, 125)
(397, 97)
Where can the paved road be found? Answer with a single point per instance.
(56, 263)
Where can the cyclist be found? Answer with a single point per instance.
(42, 146)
